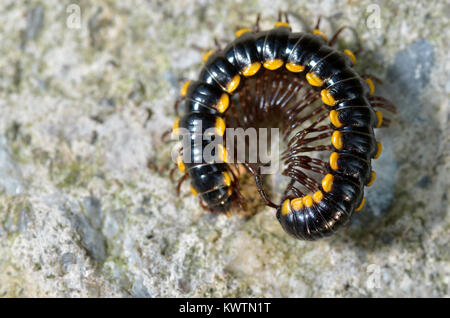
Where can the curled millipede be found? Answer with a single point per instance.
(326, 113)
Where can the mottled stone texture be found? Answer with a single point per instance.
(86, 205)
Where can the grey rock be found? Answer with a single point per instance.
(95, 215)
(35, 21)
(11, 179)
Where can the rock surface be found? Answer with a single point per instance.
(86, 205)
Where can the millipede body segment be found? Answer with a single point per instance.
(298, 78)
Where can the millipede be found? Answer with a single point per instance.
(326, 112)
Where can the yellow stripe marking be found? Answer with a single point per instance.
(351, 55)
(336, 139)
(233, 84)
(180, 164)
(294, 68)
(223, 103)
(286, 208)
(223, 154)
(297, 204)
(334, 118)
(220, 126)
(372, 178)
(227, 179)
(333, 160)
(327, 182)
(194, 192)
(379, 118)
(318, 196)
(207, 55)
(379, 150)
(313, 79)
(327, 98)
(252, 69)
(360, 205)
(176, 125)
(282, 24)
(371, 86)
(184, 88)
(273, 64)
(308, 201)
(318, 32)
(242, 31)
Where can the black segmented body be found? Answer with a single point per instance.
(326, 69)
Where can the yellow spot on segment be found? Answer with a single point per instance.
(294, 68)
(282, 24)
(227, 179)
(308, 201)
(242, 31)
(334, 118)
(336, 139)
(273, 64)
(233, 84)
(220, 126)
(223, 103)
(327, 182)
(286, 208)
(184, 88)
(252, 69)
(372, 178)
(313, 79)
(333, 160)
(176, 125)
(228, 214)
(207, 55)
(360, 205)
(318, 196)
(297, 203)
(223, 155)
(371, 86)
(194, 192)
(380, 149)
(351, 55)
(180, 164)
(318, 32)
(327, 98)
(379, 118)
(230, 191)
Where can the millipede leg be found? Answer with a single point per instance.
(301, 178)
(176, 106)
(318, 22)
(165, 134)
(258, 18)
(381, 102)
(205, 207)
(241, 199)
(172, 172)
(180, 182)
(217, 44)
(286, 17)
(297, 192)
(198, 48)
(386, 122)
(288, 188)
(259, 185)
(336, 35)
